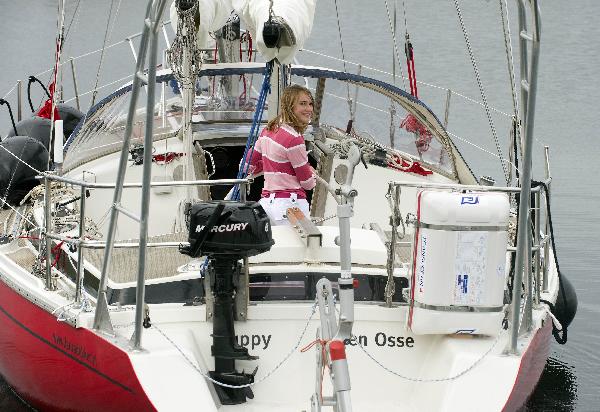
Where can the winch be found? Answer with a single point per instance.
(226, 232)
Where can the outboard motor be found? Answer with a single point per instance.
(17, 179)
(227, 232)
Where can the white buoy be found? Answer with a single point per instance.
(57, 154)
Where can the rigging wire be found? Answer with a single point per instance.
(73, 18)
(515, 130)
(509, 54)
(344, 63)
(394, 40)
(107, 34)
(481, 89)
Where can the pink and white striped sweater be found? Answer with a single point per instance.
(281, 156)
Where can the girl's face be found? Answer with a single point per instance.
(303, 108)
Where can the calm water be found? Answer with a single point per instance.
(565, 120)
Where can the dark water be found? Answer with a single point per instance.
(566, 120)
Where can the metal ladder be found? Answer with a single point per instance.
(149, 40)
(528, 86)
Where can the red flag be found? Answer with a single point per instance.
(46, 109)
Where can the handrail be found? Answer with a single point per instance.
(98, 244)
(93, 244)
(93, 185)
(456, 186)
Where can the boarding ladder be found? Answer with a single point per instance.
(142, 76)
(528, 87)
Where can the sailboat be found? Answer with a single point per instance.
(138, 272)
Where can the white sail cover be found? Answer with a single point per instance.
(298, 14)
(213, 15)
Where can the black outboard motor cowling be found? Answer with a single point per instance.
(227, 232)
(240, 230)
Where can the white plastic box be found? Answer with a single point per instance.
(460, 257)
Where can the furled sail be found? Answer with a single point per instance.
(295, 17)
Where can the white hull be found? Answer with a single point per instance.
(426, 338)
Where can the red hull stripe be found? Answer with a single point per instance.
(67, 354)
(56, 367)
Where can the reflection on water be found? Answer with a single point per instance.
(556, 390)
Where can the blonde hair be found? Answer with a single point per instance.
(289, 97)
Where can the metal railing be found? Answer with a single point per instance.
(82, 244)
(71, 62)
(535, 276)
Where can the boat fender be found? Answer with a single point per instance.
(70, 117)
(39, 127)
(16, 178)
(35, 127)
(566, 301)
(564, 310)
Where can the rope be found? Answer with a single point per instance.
(22, 161)
(410, 64)
(392, 109)
(323, 345)
(313, 309)
(481, 89)
(12, 118)
(253, 135)
(60, 28)
(555, 331)
(20, 214)
(185, 43)
(450, 378)
(31, 80)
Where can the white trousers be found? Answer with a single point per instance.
(276, 207)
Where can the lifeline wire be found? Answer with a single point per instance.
(450, 378)
(313, 309)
